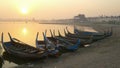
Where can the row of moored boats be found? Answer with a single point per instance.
(54, 45)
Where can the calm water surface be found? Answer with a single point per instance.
(26, 32)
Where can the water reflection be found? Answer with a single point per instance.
(24, 31)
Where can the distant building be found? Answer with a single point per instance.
(80, 18)
(104, 19)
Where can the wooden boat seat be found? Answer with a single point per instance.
(40, 52)
(17, 49)
(34, 51)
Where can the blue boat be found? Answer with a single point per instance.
(68, 45)
(65, 43)
(48, 45)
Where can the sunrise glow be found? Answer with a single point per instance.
(24, 10)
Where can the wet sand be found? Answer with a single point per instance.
(101, 54)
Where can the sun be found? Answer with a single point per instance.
(24, 10)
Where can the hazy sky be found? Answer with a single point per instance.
(57, 9)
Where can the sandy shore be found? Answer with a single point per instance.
(101, 54)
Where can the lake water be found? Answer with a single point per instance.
(26, 32)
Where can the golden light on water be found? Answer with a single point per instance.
(24, 31)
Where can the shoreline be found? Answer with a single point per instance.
(101, 54)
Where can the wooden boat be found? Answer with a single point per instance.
(97, 37)
(107, 33)
(82, 33)
(48, 45)
(72, 35)
(63, 43)
(74, 40)
(78, 32)
(85, 35)
(19, 49)
(100, 37)
(70, 45)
